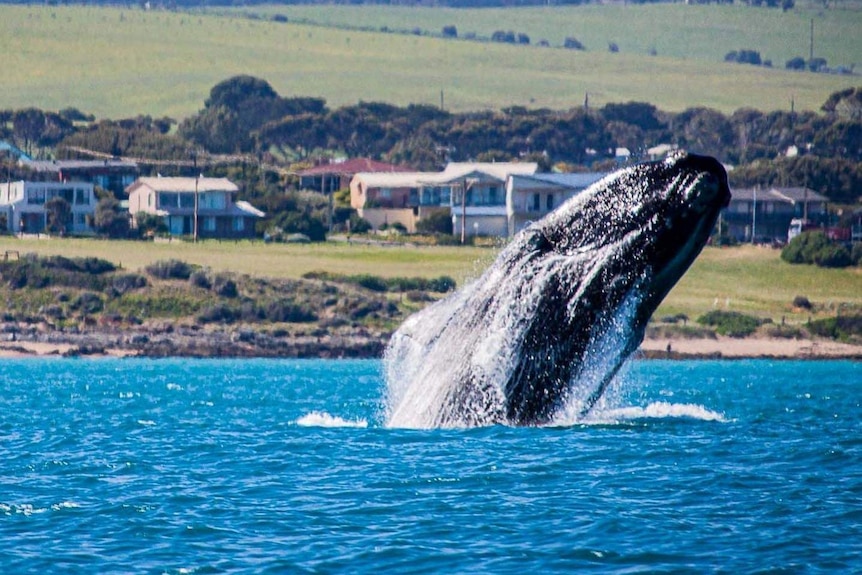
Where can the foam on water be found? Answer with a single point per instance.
(323, 419)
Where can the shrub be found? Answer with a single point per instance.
(833, 256)
(359, 225)
(856, 254)
(224, 286)
(815, 248)
(200, 279)
(730, 323)
(573, 44)
(374, 283)
(170, 269)
(92, 266)
(88, 303)
(436, 223)
(128, 282)
(841, 327)
(803, 302)
(418, 296)
(218, 313)
(450, 31)
(797, 63)
(287, 311)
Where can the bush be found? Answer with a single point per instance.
(200, 279)
(730, 323)
(816, 248)
(797, 63)
(802, 302)
(856, 254)
(833, 256)
(842, 327)
(287, 311)
(218, 313)
(450, 31)
(436, 223)
(573, 44)
(92, 266)
(224, 286)
(170, 269)
(359, 225)
(88, 303)
(128, 282)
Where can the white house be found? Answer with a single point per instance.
(214, 213)
(472, 193)
(531, 197)
(23, 205)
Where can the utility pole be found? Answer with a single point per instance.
(197, 177)
(811, 45)
(754, 215)
(464, 212)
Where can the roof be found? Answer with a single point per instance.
(576, 181)
(787, 195)
(353, 166)
(496, 170)
(246, 209)
(393, 180)
(202, 185)
(60, 165)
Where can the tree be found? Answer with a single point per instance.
(109, 218)
(58, 215)
(150, 224)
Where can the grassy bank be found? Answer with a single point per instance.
(121, 62)
(748, 279)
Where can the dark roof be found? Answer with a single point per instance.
(61, 165)
(352, 167)
(788, 195)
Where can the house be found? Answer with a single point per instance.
(764, 214)
(333, 176)
(531, 197)
(22, 204)
(112, 175)
(472, 193)
(216, 214)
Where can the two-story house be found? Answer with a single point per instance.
(472, 193)
(764, 214)
(207, 205)
(22, 204)
(533, 196)
(112, 175)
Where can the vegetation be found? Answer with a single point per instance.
(730, 323)
(816, 248)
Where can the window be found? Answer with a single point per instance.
(550, 202)
(492, 195)
(82, 196)
(537, 202)
(36, 196)
(238, 224)
(209, 224)
(169, 200)
(213, 201)
(187, 201)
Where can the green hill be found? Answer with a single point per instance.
(122, 62)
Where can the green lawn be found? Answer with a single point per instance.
(748, 279)
(121, 62)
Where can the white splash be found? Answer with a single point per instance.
(323, 419)
(655, 410)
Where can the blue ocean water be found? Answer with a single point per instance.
(260, 466)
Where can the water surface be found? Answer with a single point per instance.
(261, 466)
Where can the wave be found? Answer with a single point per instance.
(655, 410)
(323, 419)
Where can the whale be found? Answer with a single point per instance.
(539, 336)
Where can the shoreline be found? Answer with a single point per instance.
(371, 348)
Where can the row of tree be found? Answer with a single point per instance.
(246, 116)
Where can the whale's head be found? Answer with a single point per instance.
(653, 218)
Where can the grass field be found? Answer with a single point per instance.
(121, 62)
(748, 279)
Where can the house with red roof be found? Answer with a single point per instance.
(336, 175)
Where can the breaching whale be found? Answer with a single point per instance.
(548, 325)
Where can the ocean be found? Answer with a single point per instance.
(269, 466)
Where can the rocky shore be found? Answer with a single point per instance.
(163, 339)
